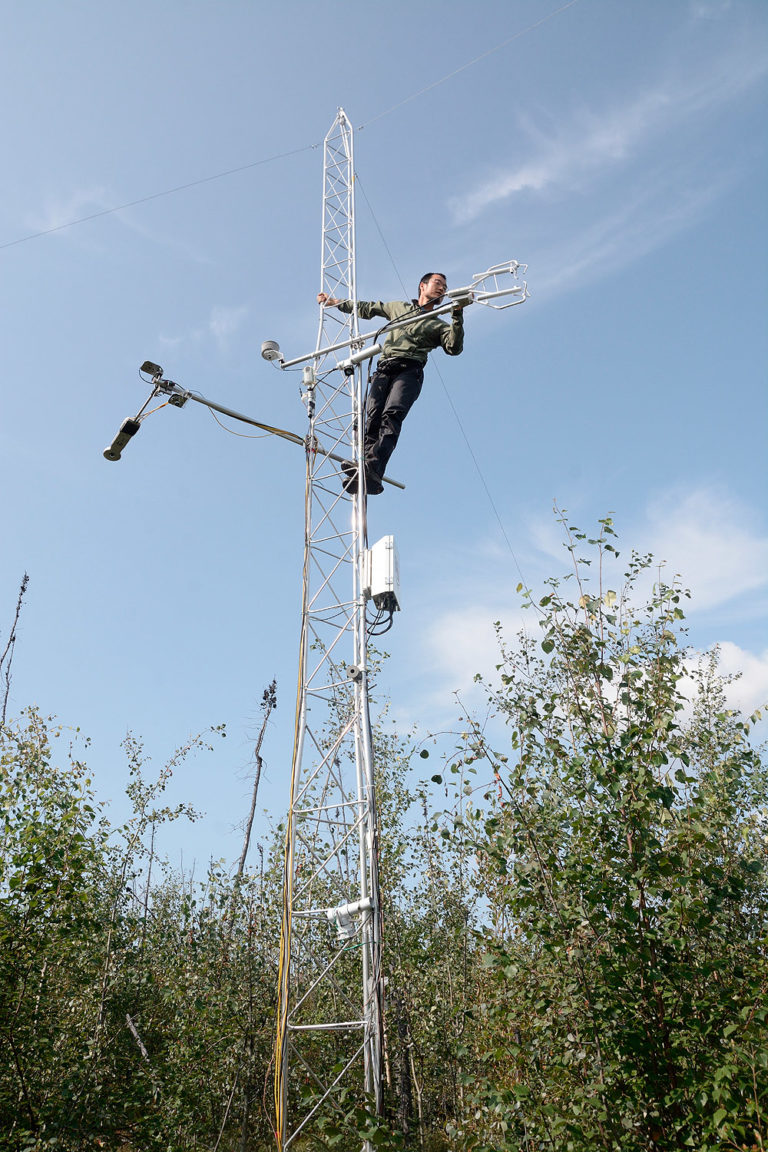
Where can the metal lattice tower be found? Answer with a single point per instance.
(329, 1029)
(329, 1010)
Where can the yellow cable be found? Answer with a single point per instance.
(245, 435)
(285, 930)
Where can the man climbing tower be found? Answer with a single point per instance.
(396, 383)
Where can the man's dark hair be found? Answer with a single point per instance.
(429, 275)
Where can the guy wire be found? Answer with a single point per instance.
(448, 395)
(292, 152)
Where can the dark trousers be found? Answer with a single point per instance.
(394, 388)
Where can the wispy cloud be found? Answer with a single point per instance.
(59, 211)
(649, 215)
(580, 151)
(463, 642)
(587, 144)
(749, 691)
(225, 322)
(702, 535)
(709, 539)
(709, 9)
(447, 655)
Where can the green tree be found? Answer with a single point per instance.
(53, 850)
(429, 903)
(85, 957)
(622, 849)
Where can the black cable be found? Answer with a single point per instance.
(158, 195)
(476, 60)
(283, 155)
(359, 184)
(372, 625)
(448, 396)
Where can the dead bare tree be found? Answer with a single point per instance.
(6, 660)
(268, 704)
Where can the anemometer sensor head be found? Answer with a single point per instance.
(128, 429)
(270, 350)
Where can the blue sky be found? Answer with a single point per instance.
(617, 149)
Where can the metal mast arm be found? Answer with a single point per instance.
(483, 290)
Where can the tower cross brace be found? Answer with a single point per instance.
(329, 1025)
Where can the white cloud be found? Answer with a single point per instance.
(590, 143)
(452, 647)
(60, 212)
(747, 692)
(702, 534)
(713, 542)
(708, 539)
(462, 643)
(222, 324)
(709, 9)
(225, 322)
(652, 213)
(750, 690)
(547, 536)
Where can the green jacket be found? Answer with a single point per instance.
(412, 341)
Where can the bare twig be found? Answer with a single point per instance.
(6, 660)
(268, 703)
(226, 1115)
(137, 1038)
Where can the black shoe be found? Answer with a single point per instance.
(373, 484)
(349, 481)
